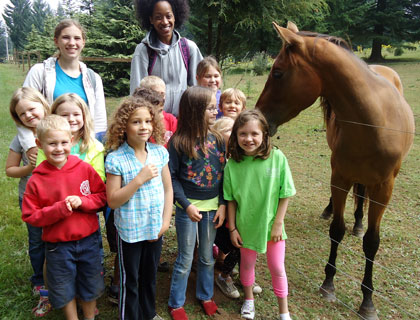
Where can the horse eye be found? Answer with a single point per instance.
(277, 74)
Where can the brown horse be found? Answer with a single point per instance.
(370, 130)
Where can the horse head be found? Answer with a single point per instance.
(293, 83)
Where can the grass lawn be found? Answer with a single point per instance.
(396, 274)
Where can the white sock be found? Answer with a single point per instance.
(285, 316)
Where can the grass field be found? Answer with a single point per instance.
(397, 269)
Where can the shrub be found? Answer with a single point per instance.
(398, 52)
(260, 63)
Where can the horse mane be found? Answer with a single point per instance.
(326, 109)
(333, 39)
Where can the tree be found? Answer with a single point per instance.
(40, 11)
(18, 17)
(3, 39)
(242, 27)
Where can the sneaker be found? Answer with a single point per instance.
(44, 306)
(248, 310)
(157, 317)
(227, 287)
(215, 251)
(113, 293)
(256, 288)
(36, 289)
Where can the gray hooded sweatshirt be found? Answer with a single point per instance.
(169, 66)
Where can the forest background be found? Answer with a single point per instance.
(232, 30)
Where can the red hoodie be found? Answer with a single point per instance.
(44, 205)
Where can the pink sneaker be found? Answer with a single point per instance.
(215, 251)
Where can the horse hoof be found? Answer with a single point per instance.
(328, 296)
(368, 313)
(326, 215)
(358, 232)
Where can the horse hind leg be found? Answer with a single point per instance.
(327, 213)
(379, 198)
(359, 192)
(337, 230)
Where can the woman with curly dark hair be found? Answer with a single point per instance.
(163, 52)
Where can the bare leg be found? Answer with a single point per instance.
(249, 295)
(88, 308)
(70, 310)
(283, 307)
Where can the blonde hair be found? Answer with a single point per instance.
(205, 64)
(150, 82)
(66, 23)
(86, 132)
(233, 93)
(222, 124)
(29, 94)
(52, 122)
(116, 134)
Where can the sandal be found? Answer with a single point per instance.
(178, 313)
(209, 307)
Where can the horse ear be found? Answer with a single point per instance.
(292, 27)
(288, 36)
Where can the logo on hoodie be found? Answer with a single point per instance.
(85, 188)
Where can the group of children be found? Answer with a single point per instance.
(228, 185)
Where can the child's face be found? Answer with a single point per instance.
(250, 137)
(56, 145)
(232, 107)
(73, 115)
(139, 127)
(211, 79)
(163, 20)
(211, 111)
(30, 112)
(70, 43)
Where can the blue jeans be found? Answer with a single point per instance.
(186, 232)
(36, 252)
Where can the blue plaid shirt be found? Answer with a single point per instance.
(140, 218)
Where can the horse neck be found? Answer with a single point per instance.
(346, 81)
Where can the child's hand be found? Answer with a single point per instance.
(220, 216)
(277, 231)
(73, 202)
(235, 238)
(148, 172)
(193, 213)
(32, 158)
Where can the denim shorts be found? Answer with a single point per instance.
(74, 270)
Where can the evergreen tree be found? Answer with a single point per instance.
(40, 11)
(18, 17)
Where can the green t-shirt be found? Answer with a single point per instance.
(257, 185)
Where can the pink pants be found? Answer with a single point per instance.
(275, 261)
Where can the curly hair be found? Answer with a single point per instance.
(234, 150)
(144, 10)
(116, 134)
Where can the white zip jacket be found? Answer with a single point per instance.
(42, 76)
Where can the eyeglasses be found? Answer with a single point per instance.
(212, 109)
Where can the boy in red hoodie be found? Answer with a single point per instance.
(63, 196)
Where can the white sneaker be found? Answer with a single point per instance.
(227, 287)
(248, 310)
(256, 288)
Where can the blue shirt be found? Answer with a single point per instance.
(140, 218)
(66, 84)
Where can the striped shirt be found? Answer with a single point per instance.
(140, 218)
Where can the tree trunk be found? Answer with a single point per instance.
(219, 38)
(376, 54)
(209, 35)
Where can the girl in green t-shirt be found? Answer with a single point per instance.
(257, 204)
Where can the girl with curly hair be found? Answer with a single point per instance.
(139, 189)
(163, 52)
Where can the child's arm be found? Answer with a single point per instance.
(169, 200)
(117, 195)
(220, 215)
(235, 237)
(13, 168)
(277, 228)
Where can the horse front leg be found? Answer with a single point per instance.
(359, 191)
(379, 198)
(339, 191)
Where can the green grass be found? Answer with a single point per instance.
(396, 280)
